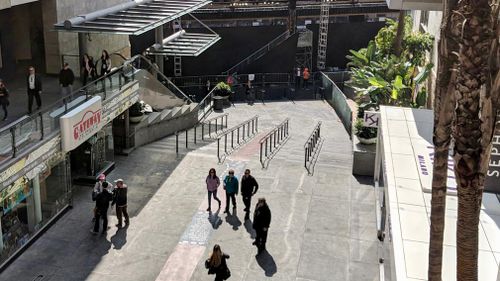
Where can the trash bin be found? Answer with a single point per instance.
(218, 103)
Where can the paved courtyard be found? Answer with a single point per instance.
(323, 226)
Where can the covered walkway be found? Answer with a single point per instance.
(323, 226)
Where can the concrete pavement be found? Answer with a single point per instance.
(323, 226)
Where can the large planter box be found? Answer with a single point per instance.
(363, 158)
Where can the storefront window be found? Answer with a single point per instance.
(26, 205)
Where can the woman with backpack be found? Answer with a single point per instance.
(213, 183)
(216, 264)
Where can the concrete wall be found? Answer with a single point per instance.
(430, 22)
(64, 43)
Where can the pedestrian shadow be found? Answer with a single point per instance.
(249, 228)
(214, 219)
(232, 219)
(266, 262)
(120, 238)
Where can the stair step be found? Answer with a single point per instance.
(153, 117)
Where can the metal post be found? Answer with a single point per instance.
(238, 136)
(256, 124)
(194, 134)
(218, 152)
(253, 126)
(243, 132)
(226, 121)
(209, 128)
(266, 147)
(248, 130)
(177, 142)
(216, 126)
(305, 158)
(274, 137)
(41, 126)
(186, 138)
(232, 139)
(225, 143)
(261, 155)
(202, 131)
(13, 139)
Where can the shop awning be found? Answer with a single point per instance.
(183, 43)
(132, 18)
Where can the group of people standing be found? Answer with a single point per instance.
(216, 263)
(89, 67)
(104, 193)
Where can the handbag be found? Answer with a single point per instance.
(211, 270)
(227, 274)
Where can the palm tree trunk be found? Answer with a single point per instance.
(443, 117)
(472, 26)
(398, 40)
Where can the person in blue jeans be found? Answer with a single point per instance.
(231, 188)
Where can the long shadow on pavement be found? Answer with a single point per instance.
(266, 262)
(120, 238)
(233, 219)
(249, 228)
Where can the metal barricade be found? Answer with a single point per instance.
(310, 147)
(270, 143)
(248, 129)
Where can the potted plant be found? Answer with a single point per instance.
(222, 89)
(365, 135)
(136, 112)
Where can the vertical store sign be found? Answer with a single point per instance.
(81, 123)
(492, 180)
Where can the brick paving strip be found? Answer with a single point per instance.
(182, 262)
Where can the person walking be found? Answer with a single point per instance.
(306, 75)
(102, 200)
(34, 87)
(261, 222)
(88, 68)
(249, 187)
(213, 183)
(217, 264)
(120, 199)
(105, 64)
(298, 75)
(231, 188)
(4, 99)
(66, 79)
(208, 88)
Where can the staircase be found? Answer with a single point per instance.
(259, 53)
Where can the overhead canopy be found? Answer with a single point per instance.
(132, 18)
(183, 43)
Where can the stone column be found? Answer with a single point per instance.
(37, 200)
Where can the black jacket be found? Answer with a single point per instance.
(261, 217)
(219, 271)
(66, 77)
(120, 196)
(102, 200)
(4, 96)
(247, 186)
(38, 83)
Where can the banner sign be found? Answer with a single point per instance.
(81, 123)
(371, 119)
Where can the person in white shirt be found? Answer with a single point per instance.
(34, 87)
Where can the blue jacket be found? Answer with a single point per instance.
(231, 184)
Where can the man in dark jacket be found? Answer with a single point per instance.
(120, 199)
(102, 200)
(249, 187)
(261, 222)
(66, 79)
(34, 87)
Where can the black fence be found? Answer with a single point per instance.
(310, 147)
(248, 129)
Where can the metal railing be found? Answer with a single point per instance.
(260, 52)
(310, 147)
(218, 120)
(33, 129)
(273, 141)
(248, 129)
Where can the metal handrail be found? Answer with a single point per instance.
(275, 137)
(254, 121)
(310, 145)
(223, 123)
